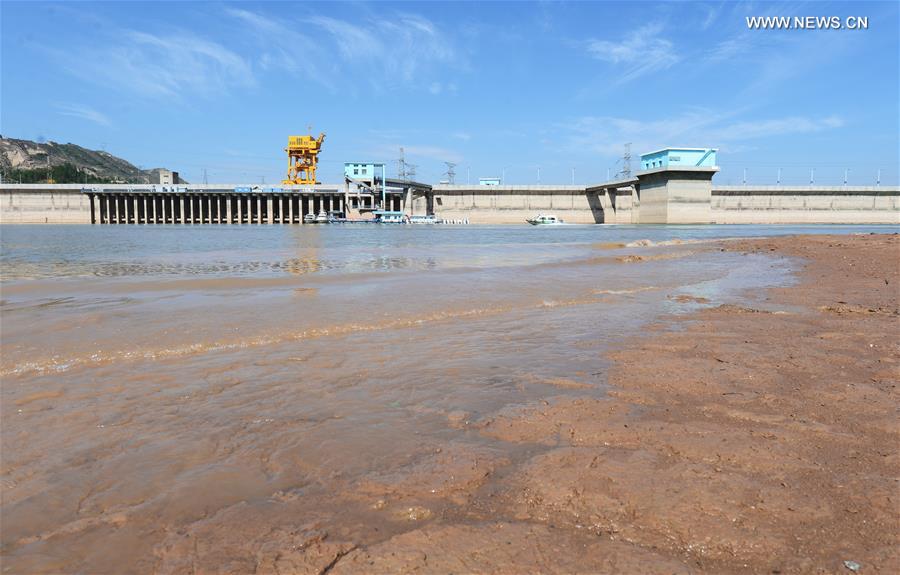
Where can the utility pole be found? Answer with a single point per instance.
(607, 174)
(812, 176)
(846, 174)
(451, 172)
(878, 178)
(539, 175)
(778, 180)
(744, 181)
(205, 178)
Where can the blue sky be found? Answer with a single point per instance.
(513, 88)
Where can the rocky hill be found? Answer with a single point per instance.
(24, 160)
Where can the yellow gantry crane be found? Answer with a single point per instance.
(303, 154)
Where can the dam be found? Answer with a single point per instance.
(674, 186)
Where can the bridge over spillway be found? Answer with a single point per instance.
(209, 204)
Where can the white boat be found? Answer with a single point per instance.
(322, 218)
(544, 220)
(430, 219)
(389, 217)
(309, 219)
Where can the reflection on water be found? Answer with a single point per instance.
(159, 381)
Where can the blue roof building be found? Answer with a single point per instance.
(361, 171)
(679, 157)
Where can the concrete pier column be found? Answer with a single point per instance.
(292, 211)
(101, 207)
(186, 209)
(227, 209)
(117, 202)
(673, 195)
(270, 213)
(93, 211)
(127, 208)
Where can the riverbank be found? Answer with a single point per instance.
(757, 439)
(749, 440)
(617, 400)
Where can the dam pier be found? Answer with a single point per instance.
(674, 186)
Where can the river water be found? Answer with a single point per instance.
(161, 381)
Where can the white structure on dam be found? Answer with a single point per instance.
(674, 186)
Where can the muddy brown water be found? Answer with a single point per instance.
(163, 382)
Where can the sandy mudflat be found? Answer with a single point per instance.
(753, 434)
(757, 439)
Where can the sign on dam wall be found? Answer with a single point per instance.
(657, 197)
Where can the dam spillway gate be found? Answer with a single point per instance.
(237, 206)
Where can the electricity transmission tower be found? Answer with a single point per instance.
(625, 172)
(451, 172)
(401, 166)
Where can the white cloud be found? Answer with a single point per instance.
(402, 49)
(642, 52)
(433, 153)
(413, 153)
(151, 65)
(83, 112)
(606, 135)
(284, 48)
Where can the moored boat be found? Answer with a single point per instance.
(544, 220)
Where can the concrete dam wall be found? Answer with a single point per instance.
(659, 198)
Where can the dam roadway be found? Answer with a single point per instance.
(664, 198)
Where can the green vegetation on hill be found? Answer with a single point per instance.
(61, 174)
(28, 162)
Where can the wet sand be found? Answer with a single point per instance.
(757, 440)
(755, 435)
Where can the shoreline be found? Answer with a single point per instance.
(756, 434)
(769, 445)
